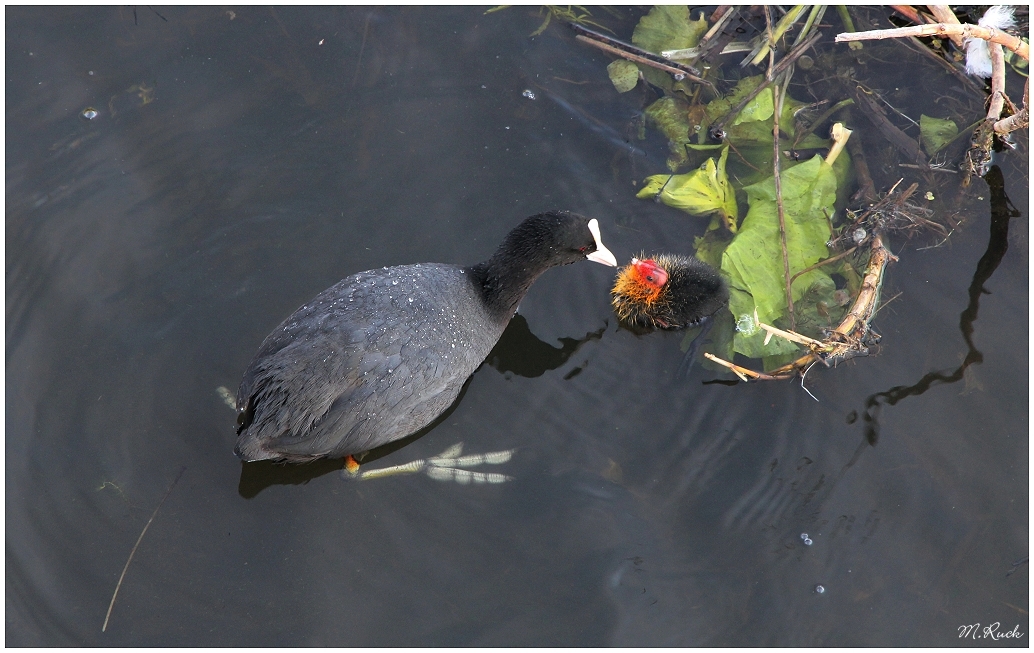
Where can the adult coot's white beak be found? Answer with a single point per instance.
(602, 254)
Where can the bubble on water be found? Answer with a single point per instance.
(746, 325)
(89, 113)
(528, 93)
(819, 589)
(806, 539)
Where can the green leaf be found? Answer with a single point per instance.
(936, 133)
(710, 247)
(701, 192)
(669, 115)
(720, 106)
(753, 261)
(752, 126)
(623, 74)
(668, 27)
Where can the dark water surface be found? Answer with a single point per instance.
(242, 161)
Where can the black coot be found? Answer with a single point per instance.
(379, 355)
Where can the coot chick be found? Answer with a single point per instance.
(381, 354)
(668, 291)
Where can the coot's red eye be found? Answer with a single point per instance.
(582, 249)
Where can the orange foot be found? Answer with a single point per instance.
(351, 467)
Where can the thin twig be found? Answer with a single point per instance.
(629, 48)
(824, 262)
(845, 17)
(994, 111)
(941, 29)
(899, 139)
(779, 204)
(719, 24)
(717, 129)
(135, 546)
(928, 168)
(944, 14)
(743, 372)
(804, 374)
(908, 12)
(943, 240)
(776, 33)
(777, 179)
(802, 134)
(673, 68)
(1020, 119)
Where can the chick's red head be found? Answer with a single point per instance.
(649, 273)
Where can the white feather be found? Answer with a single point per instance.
(978, 57)
(999, 17)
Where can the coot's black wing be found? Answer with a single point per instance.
(370, 360)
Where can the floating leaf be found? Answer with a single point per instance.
(623, 74)
(936, 133)
(668, 27)
(753, 261)
(705, 190)
(752, 126)
(719, 107)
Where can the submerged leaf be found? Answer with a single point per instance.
(710, 247)
(670, 117)
(623, 74)
(936, 133)
(753, 261)
(705, 190)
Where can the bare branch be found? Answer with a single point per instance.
(942, 29)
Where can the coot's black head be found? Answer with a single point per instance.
(535, 245)
(555, 238)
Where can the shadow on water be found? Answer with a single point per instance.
(519, 351)
(1002, 210)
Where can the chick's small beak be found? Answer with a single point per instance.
(602, 254)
